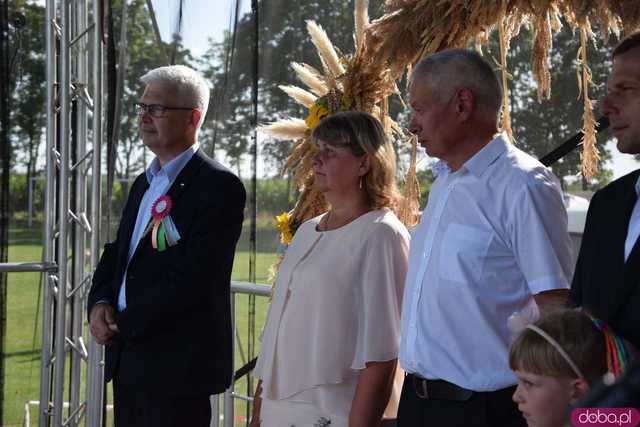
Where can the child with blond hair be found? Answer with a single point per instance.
(557, 359)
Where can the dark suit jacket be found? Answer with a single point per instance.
(604, 284)
(175, 334)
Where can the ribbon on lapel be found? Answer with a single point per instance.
(177, 189)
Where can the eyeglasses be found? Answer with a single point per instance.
(324, 151)
(156, 110)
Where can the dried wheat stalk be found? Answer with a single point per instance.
(301, 96)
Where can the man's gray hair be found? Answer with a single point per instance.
(191, 88)
(453, 69)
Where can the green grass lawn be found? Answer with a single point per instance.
(24, 318)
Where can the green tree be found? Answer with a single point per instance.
(283, 39)
(28, 115)
(540, 127)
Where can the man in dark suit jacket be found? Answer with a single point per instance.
(164, 314)
(607, 275)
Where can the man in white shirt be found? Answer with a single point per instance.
(492, 241)
(606, 280)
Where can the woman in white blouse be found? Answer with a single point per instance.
(331, 338)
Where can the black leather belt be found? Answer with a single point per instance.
(438, 389)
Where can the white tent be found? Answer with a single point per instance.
(577, 215)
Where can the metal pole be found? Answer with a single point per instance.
(95, 371)
(251, 288)
(81, 23)
(156, 31)
(49, 206)
(30, 202)
(122, 66)
(228, 395)
(254, 156)
(215, 410)
(254, 195)
(27, 267)
(63, 209)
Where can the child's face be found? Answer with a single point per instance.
(542, 399)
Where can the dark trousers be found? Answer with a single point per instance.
(483, 409)
(138, 409)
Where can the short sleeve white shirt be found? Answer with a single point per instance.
(494, 234)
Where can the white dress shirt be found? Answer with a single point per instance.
(634, 225)
(160, 180)
(494, 234)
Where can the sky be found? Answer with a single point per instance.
(621, 164)
(202, 19)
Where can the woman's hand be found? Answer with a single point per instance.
(372, 394)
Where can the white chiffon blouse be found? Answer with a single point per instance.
(335, 307)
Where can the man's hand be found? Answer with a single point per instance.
(102, 323)
(549, 301)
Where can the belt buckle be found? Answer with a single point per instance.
(422, 391)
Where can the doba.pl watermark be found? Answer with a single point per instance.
(605, 417)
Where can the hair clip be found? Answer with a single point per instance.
(617, 358)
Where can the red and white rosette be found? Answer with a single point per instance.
(161, 207)
(163, 231)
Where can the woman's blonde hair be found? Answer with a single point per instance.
(363, 134)
(578, 336)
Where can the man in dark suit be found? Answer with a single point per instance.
(607, 275)
(160, 301)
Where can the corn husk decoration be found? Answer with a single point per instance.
(411, 29)
(590, 154)
(505, 38)
(409, 209)
(353, 82)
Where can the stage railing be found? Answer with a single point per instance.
(94, 398)
(229, 397)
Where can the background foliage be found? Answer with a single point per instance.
(538, 127)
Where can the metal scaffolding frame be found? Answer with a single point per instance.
(72, 211)
(71, 239)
